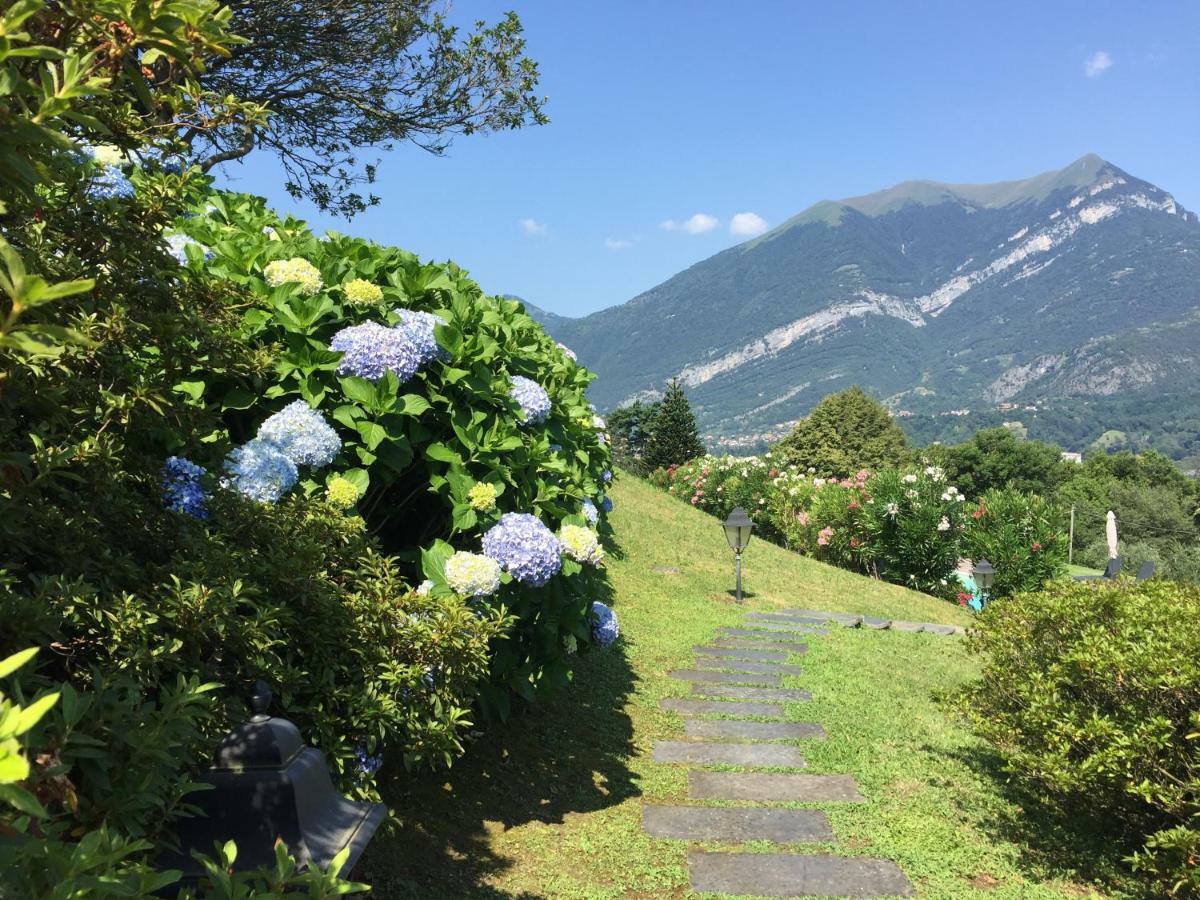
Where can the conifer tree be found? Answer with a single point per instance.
(673, 438)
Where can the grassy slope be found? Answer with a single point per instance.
(549, 805)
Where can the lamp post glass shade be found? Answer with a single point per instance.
(984, 575)
(737, 529)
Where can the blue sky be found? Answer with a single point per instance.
(687, 114)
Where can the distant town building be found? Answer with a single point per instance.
(1068, 456)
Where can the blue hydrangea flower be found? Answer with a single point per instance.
(302, 435)
(371, 350)
(260, 471)
(604, 625)
(607, 476)
(110, 183)
(532, 398)
(366, 765)
(181, 488)
(590, 512)
(419, 326)
(606, 504)
(524, 547)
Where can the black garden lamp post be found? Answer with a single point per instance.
(984, 576)
(268, 785)
(737, 532)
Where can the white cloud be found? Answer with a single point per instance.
(747, 224)
(533, 226)
(1097, 64)
(697, 224)
(617, 243)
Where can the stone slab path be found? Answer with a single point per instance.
(743, 653)
(705, 823)
(792, 875)
(735, 718)
(734, 692)
(710, 676)
(742, 666)
(732, 729)
(728, 754)
(810, 618)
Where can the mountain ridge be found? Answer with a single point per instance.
(932, 295)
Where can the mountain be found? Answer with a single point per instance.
(1074, 284)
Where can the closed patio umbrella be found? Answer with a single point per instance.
(1110, 532)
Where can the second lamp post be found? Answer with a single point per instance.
(737, 532)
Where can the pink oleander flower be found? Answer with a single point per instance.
(802, 518)
(823, 536)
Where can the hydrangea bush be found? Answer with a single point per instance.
(464, 430)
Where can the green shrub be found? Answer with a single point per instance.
(1021, 535)
(1092, 693)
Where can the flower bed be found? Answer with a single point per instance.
(909, 527)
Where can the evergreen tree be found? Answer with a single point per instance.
(674, 438)
(846, 432)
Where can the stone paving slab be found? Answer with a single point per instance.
(787, 617)
(695, 707)
(743, 667)
(741, 653)
(769, 634)
(793, 875)
(877, 624)
(750, 693)
(737, 643)
(906, 626)
(937, 629)
(726, 677)
(725, 754)
(825, 614)
(725, 729)
(700, 823)
(772, 787)
(789, 627)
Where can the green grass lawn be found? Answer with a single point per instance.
(1073, 570)
(549, 805)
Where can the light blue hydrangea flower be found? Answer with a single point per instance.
(110, 183)
(177, 244)
(532, 398)
(604, 625)
(524, 547)
(181, 488)
(259, 470)
(419, 326)
(607, 476)
(302, 435)
(371, 350)
(590, 512)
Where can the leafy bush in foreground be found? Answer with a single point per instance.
(1092, 693)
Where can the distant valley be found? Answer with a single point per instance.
(1066, 304)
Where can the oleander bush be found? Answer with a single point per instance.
(1022, 535)
(1092, 694)
(907, 526)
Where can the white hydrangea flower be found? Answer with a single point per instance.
(581, 544)
(472, 574)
